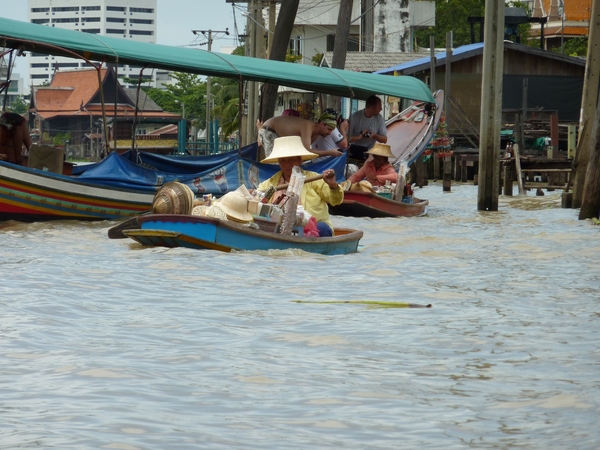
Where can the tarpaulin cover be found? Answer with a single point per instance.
(217, 176)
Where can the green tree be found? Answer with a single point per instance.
(574, 47)
(61, 138)
(189, 93)
(226, 100)
(452, 15)
(19, 106)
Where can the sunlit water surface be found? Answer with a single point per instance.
(107, 344)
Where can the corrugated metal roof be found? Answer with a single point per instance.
(467, 51)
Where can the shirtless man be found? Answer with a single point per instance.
(13, 134)
(281, 126)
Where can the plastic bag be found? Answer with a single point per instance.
(311, 228)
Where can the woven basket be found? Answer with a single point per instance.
(173, 198)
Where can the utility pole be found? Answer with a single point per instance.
(340, 44)
(254, 49)
(207, 134)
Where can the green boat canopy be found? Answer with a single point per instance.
(92, 47)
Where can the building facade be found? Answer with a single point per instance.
(126, 19)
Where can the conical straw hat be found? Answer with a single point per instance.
(288, 147)
(235, 206)
(173, 198)
(381, 150)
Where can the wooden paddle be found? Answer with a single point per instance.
(307, 180)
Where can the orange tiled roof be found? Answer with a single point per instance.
(72, 90)
(580, 10)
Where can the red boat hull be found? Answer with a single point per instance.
(368, 204)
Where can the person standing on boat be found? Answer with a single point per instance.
(289, 152)
(307, 130)
(377, 170)
(14, 133)
(367, 127)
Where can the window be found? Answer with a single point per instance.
(90, 8)
(66, 9)
(67, 65)
(113, 31)
(295, 47)
(40, 21)
(115, 8)
(39, 65)
(91, 30)
(91, 19)
(39, 77)
(40, 10)
(140, 131)
(66, 20)
(142, 21)
(142, 10)
(115, 19)
(141, 32)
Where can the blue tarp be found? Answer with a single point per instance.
(215, 175)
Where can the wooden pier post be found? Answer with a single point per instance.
(518, 169)
(591, 88)
(508, 178)
(447, 183)
(491, 106)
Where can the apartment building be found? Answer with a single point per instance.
(125, 19)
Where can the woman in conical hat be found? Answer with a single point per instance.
(289, 152)
(377, 169)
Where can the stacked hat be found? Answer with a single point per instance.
(235, 205)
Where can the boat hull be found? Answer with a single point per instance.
(368, 204)
(31, 195)
(407, 137)
(207, 233)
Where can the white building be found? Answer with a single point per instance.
(126, 19)
(381, 27)
(15, 89)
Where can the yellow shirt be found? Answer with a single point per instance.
(314, 197)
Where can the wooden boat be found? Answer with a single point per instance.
(369, 204)
(410, 131)
(206, 233)
(34, 195)
(117, 188)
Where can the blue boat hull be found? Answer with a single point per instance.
(207, 233)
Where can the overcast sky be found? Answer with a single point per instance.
(175, 21)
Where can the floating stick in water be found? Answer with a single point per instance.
(371, 303)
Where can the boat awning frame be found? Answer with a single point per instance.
(92, 47)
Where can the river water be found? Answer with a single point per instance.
(107, 344)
